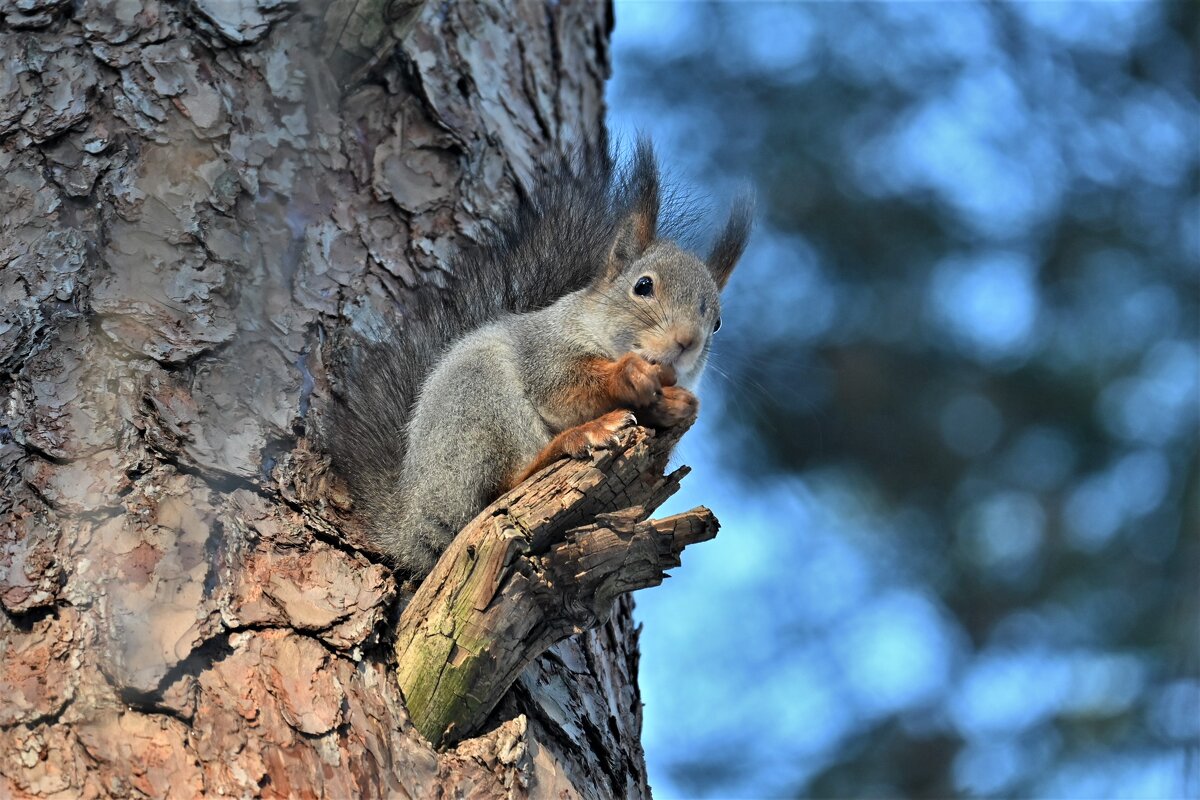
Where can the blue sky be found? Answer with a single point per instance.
(814, 617)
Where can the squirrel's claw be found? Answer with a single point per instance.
(602, 433)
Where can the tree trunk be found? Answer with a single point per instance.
(193, 197)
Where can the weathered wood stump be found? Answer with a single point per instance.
(543, 562)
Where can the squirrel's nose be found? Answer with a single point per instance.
(685, 343)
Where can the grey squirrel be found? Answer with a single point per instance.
(571, 321)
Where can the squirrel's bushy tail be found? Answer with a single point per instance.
(556, 241)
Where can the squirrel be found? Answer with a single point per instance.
(570, 322)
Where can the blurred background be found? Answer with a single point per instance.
(951, 423)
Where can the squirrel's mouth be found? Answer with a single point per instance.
(656, 357)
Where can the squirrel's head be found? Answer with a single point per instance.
(660, 301)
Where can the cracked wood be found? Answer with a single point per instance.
(542, 563)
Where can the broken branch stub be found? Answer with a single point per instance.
(542, 563)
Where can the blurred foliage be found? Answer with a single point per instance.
(952, 426)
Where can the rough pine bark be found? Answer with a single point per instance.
(194, 196)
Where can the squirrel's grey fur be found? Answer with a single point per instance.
(432, 421)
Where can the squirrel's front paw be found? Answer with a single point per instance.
(600, 434)
(641, 382)
(676, 405)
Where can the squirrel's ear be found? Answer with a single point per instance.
(639, 199)
(732, 242)
(634, 235)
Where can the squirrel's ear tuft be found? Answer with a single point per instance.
(732, 242)
(638, 203)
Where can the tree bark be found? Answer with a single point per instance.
(193, 198)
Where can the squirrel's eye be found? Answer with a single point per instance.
(644, 286)
(717, 327)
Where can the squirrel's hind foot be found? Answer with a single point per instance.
(602, 433)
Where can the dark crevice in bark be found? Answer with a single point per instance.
(349, 547)
(269, 456)
(40, 496)
(150, 703)
(307, 384)
(49, 718)
(216, 551)
(555, 61)
(218, 482)
(38, 452)
(544, 125)
(596, 739)
(25, 620)
(203, 655)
